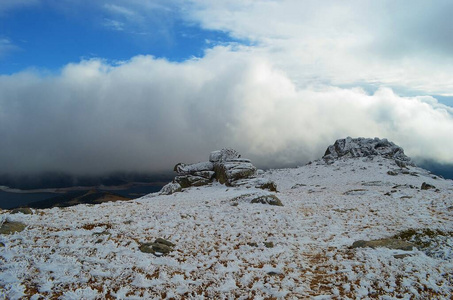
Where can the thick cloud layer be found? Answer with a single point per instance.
(148, 114)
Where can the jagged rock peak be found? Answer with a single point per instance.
(367, 147)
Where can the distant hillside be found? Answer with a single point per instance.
(79, 197)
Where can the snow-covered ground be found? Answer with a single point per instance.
(238, 250)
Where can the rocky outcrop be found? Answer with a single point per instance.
(225, 166)
(366, 147)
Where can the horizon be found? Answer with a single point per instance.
(123, 86)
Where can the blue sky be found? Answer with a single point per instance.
(47, 37)
(92, 87)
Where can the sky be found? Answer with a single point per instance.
(92, 87)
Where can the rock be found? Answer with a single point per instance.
(2, 245)
(160, 247)
(226, 166)
(392, 173)
(269, 244)
(427, 186)
(223, 155)
(11, 227)
(186, 181)
(231, 171)
(259, 183)
(183, 169)
(389, 243)
(266, 198)
(273, 273)
(365, 147)
(170, 188)
(23, 210)
(164, 242)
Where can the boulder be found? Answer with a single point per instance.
(170, 188)
(160, 247)
(23, 210)
(262, 198)
(366, 147)
(389, 243)
(184, 169)
(427, 186)
(223, 155)
(186, 181)
(259, 183)
(11, 227)
(226, 166)
(232, 170)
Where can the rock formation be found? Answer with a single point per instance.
(366, 147)
(225, 166)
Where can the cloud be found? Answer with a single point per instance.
(147, 114)
(114, 25)
(117, 9)
(6, 46)
(396, 44)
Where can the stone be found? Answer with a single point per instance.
(269, 244)
(259, 183)
(226, 166)
(231, 171)
(366, 147)
(186, 181)
(23, 210)
(11, 227)
(184, 169)
(226, 154)
(392, 173)
(160, 247)
(427, 186)
(2, 245)
(268, 199)
(265, 198)
(164, 242)
(389, 243)
(170, 188)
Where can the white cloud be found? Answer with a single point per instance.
(402, 44)
(148, 114)
(6, 46)
(279, 101)
(117, 9)
(114, 24)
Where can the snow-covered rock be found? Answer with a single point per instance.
(224, 166)
(366, 147)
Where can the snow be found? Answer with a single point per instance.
(92, 252)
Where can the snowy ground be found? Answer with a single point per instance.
(92, 252)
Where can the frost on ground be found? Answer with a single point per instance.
(227, 249)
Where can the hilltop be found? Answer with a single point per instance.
(361, 222)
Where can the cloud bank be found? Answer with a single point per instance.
(147, 114)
